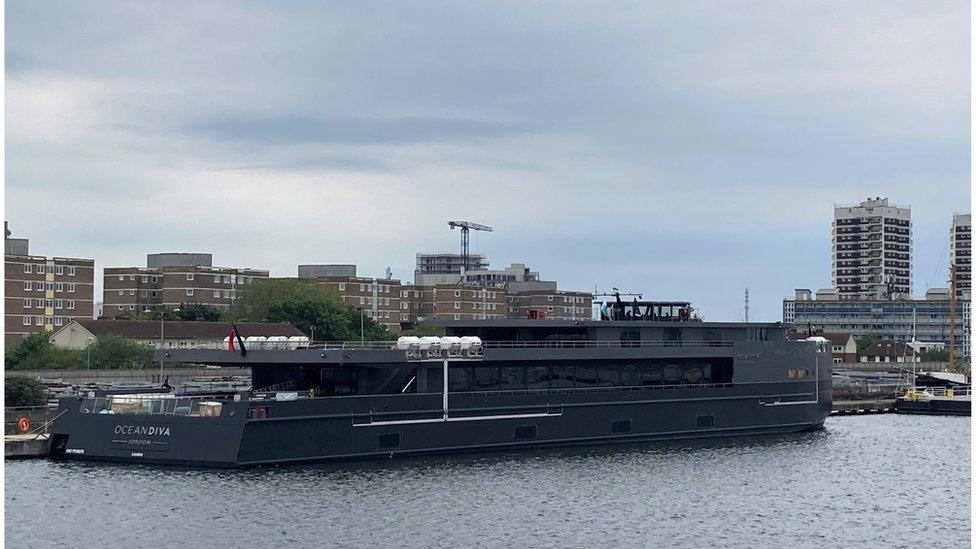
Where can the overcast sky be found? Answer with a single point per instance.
(682, 149)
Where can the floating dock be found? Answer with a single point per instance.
(853, 407)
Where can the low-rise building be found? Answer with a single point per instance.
(550, 304)
(890, 351)
(42, 294)
(843, 347)
(170, 280)
(175, 334)
(377, 298)
(925, 319)
(463, 302)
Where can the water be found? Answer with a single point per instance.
(864, 481)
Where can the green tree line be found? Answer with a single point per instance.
(35, 352)
(308, 306)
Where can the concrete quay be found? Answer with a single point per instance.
(25, 446)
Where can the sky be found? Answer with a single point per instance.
(685, 150)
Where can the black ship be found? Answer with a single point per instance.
(485, 384)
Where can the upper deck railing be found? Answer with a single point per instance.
(583, 344)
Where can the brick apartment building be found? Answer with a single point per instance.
(169, 280)
(378, 298)
(550, 304)
(43, 293)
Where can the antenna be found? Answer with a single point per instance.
(747, 304)
(466, 227)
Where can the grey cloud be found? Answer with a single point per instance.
(685, 149)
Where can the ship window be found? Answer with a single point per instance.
(537, 377)
(486, 379)
(459, 379)
(587, 376)
(630, 376)
(512, 379)
(693, 374)
(672, 374)
(756, 334)
(620, 427)
(672, 334)
(563, 377)
(652, 374)
(525, 431)
(390, 440)
(609, 376)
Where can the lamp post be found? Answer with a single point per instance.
(362, 331)
(88, 353)
(162, 316)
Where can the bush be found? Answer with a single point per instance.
(24, 391)
(935, 355)
(35, 352)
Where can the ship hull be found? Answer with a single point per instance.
(338, 429)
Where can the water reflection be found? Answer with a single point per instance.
(859, 476)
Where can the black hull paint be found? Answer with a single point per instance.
(319, 431)
(937, 407)
(777, 387)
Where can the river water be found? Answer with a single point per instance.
(863, 481)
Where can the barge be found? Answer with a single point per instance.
(485, 384)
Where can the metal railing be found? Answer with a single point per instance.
(601, 344)
(581, 344)
(921, 393)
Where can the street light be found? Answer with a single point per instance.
(162, 316)
(88, 353)
(362, 332)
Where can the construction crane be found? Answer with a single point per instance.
(466, 227)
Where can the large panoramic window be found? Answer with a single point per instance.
(515, 375)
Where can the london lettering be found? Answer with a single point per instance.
(145, 430)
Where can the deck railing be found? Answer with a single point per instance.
(960, 391)
(583, 344)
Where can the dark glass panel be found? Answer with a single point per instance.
(537, 377)
(651, 374)
(563, 376)
(587, 376)
(486, 379)
(512, 378)
(672, 374)
(609, 376)
(630, 376)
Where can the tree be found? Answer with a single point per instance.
(35, 352)
(305, 305)
(198, 311)
(113, 352)
(866, 341)
(935, 355)
(167, 313)
(24, 391)
(422, 331)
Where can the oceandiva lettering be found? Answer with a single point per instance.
(146, 430)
